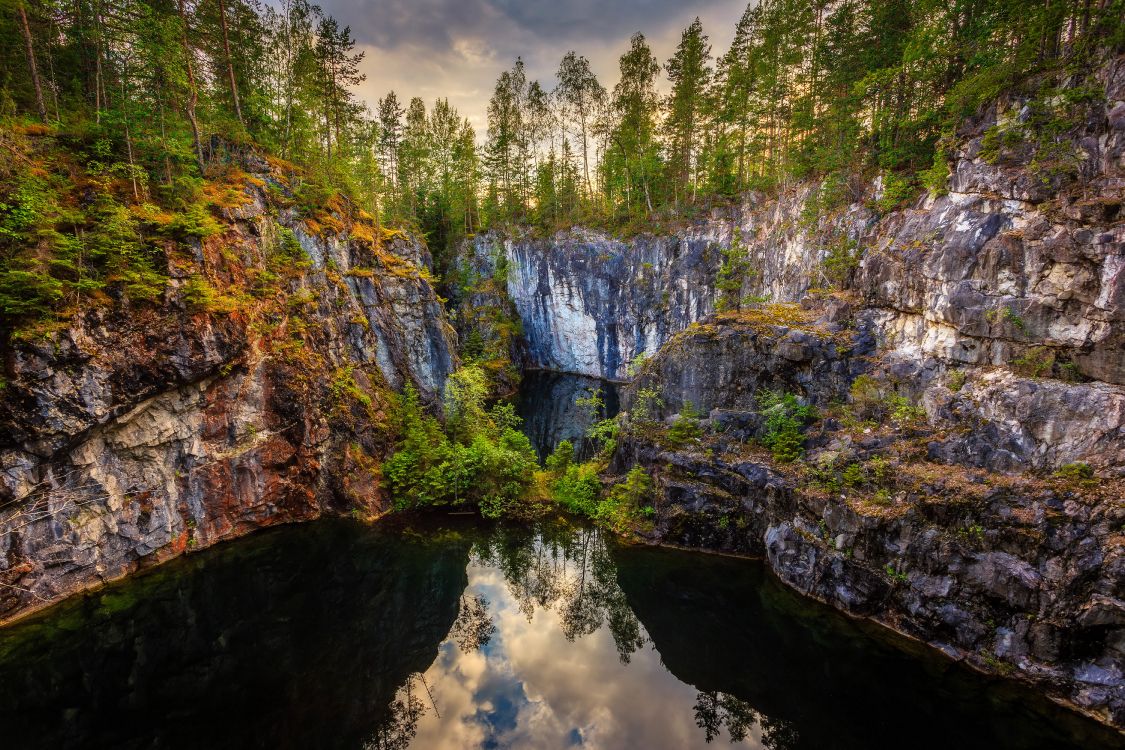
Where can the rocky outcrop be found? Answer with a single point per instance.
(1017, 575)
(132, 434)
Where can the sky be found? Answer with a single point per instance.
(457, 48)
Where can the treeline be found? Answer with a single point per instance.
(155, 79)
(807, 88)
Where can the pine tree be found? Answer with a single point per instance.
(690, 74)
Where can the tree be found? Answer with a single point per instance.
(633, 160)
(690, 74)
(390, 114)
(581, 94)
(339, 70)
(32, 67)
(506, 150)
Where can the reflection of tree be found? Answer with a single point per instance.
(474, 627)
(398, 729)
(713, 710)
(571, 568)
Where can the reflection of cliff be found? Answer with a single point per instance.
(297, 638)
(807, 678)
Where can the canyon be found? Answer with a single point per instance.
(992, 311)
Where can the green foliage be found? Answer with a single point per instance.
(194, 223)
(636, 364)
(903, 412)
(896, 576)
(686, 428)
(560, 459)
(628, 503)
(936, 177)
(1036, 362)
(578, 489)
(1078, 472)
(897, 191)
(604, 432)
(647, 406)
(735, 271)
(841, 261)
(200, 295)
(344, 387)
(956, 380)
(484, 461)
(785, 418)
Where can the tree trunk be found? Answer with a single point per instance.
(193, 92)
(26, 30)
(230, 63)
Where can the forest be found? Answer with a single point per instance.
(145, 95)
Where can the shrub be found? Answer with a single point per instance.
(1076, 472)
(627, 502)
(484, 460)
(866, 397)
(903, 412)
(686, 427)
(785, 417)
(733, 274)
(578, 489)
(559, 461)
(194, 223)
(841, 261)
(897, 190)
(647, 406)
(200, 295)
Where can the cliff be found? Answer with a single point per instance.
(255, 391)
(962, 355)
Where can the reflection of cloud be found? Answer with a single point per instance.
(530, 687)
(457, 48)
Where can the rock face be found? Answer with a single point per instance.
(133, 434)
(988, 322)
(1019, 575)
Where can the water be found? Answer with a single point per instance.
(548, 404)
(451, 633)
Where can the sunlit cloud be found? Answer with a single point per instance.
(455, 49)
(530, 687)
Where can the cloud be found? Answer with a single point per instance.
(532, 688)
(456, 48)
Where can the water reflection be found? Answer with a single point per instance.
(568, 664)
(594, 644)
(300, 637)
(548, 404)
(430, 633)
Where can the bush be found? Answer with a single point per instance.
(1076, 472)
(194, 223)
(559, 461)
(897, 190)
(578, 489)
(483, 461)
(735, 271)
(785, 417)
(627, 502)
(841, 261)
(686, 427)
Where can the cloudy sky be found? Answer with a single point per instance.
(456, 48)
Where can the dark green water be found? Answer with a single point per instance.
(450, 633)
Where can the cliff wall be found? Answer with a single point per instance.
(255, 392)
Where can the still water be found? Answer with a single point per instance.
(452, 633)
